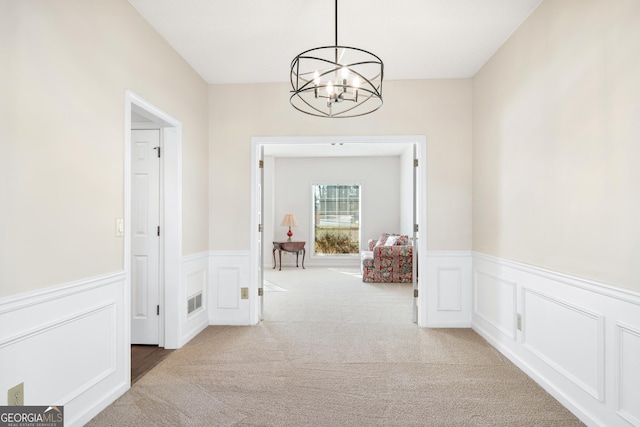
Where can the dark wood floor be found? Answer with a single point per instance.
(144, 358)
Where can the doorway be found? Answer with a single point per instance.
(140, 114)
(314, 145)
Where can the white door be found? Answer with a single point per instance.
(145, 240)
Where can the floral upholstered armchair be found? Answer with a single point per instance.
(388, 260)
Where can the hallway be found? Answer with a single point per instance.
(334, 351)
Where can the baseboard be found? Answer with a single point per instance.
(228, 321)
(558, 394)
(449, 324)
(199, 326)
(67, 345)
(577, 338)
(97, 407)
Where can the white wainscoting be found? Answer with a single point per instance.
(579, 339)
(194, 275)
(627, 373)
(68, 345)
(230, 271)
(448, 299)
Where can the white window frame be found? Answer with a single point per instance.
(312, 231)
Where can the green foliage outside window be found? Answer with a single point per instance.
(336, 241)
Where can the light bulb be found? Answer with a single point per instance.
(316, 78)
(344, 72)
(356, 85)
(329, 88)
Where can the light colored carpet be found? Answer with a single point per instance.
(333, 351)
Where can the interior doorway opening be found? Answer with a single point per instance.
(140, 114)
(352, 146)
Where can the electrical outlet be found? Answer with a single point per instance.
(15, 395)
(244, 293)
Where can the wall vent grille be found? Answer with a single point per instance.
(194, 303)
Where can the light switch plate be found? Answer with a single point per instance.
(119, 227)
(15, 395)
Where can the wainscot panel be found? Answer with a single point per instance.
(627, 374)
(230, 271)
(544, 313)
(67, 345)
(448, 289)
(495, 302)
(578, 339)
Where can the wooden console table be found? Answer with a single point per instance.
(296, 247)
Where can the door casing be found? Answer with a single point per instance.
(420, 141)
(170, 219)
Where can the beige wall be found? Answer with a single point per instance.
(556, 142)
(65, 67)
(439, 109)
(379, 193)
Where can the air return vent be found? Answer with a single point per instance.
(194, 303)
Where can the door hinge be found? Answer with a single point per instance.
(415, 228)
(415, 163)
(260, 228)
(415, 293)
(261, 164)
(158, 230)
(260, 292)
(158, 310)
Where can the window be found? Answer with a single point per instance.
(336, 219)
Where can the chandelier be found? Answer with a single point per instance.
(336, 81)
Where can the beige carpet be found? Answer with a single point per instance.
(334, 351)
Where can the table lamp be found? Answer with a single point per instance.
(289, 221)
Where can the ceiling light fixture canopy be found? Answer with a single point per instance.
(336, 81)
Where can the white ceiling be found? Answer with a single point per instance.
(254, 41)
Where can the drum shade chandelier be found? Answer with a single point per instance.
(336, 81)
